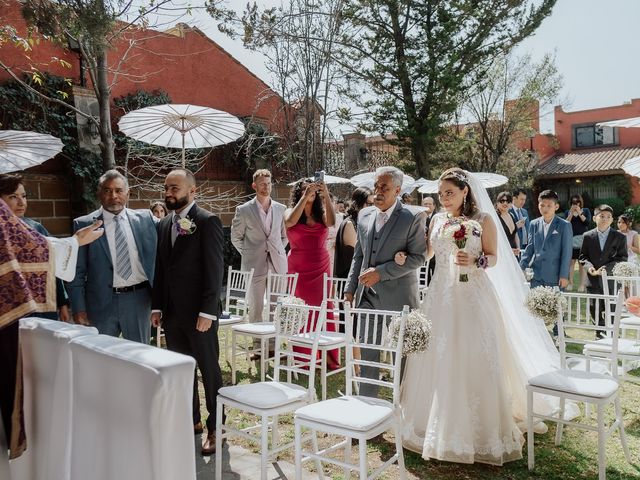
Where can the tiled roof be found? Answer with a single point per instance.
(589, 162)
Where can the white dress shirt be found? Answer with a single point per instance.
(265, 216)
(545, 227)
(387, 212)
(137, 271)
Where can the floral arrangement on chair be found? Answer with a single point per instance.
(624, 269)
(543, 302)
(459, 230)
(417, 333)
(287, 318)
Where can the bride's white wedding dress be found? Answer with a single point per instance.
(457, 398)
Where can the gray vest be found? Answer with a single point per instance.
(375, 244)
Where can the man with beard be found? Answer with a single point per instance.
(186, 293)
(112, 286)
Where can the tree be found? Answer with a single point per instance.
(417, 58)
(94, 26)
(297, 39)
(505, 106)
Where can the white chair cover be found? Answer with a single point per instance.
(132, 411)
(46, 361)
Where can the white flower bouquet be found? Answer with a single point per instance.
(624, 269)
(543, 302)
(417, 333)
(287, 317)
(458, 230)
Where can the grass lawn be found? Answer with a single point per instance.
(576, 458)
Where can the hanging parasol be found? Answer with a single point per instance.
(367, 179)
(21, 150)
(329, 180)
(487, 180)
(181, 126)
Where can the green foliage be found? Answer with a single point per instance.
(616, 203)
(634, 212)
(87, 166)
(417, 59)
(141, 99)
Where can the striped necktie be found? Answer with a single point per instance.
(123, 262)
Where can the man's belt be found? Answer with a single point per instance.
(131, 288)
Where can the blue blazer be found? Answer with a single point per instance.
(527, 224)
(91, 289)
(549, 257)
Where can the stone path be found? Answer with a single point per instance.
(241, 464)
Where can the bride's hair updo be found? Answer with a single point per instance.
(458, 177)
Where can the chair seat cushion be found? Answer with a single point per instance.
(630, 320)
(625, 346)
(327, 339)
(256, 329)
(231, 320)
(352, 412)
(589, 384)
(264, 395)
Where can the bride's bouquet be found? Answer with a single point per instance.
(543, 302)
(417, 333)
(458, 230)
(286, 316)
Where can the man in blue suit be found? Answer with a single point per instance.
(550, 245)
(114, 275)
(522, 216)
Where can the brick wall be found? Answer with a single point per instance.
(48, 197)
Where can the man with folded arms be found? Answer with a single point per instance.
(112, 286)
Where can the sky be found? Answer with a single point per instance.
(595, 42)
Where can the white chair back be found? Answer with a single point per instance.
(238, 287)
(611, 284)
(333, 293)
(577, 317)
(293, 322)
(278, 286)
(373, 332)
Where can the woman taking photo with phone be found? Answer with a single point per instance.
(308, 218)
(580, 220)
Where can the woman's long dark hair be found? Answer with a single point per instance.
(317, 210)
(458, 177)
(359, 199)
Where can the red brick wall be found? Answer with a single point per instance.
(48, 202)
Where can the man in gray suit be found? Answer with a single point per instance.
(375, 278)
(112, 286)
(259, 234)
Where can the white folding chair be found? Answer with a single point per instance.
(278, 285)
(628, 349)
(236, 303)
(599, 389)
(631, 288)
(353, 416)
(270, 399)
(423, 276)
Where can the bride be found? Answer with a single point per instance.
(464, 399)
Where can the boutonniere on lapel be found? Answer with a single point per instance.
(185, 226)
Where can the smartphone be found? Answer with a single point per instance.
(319, 176)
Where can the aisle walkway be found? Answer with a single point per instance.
(241, 464)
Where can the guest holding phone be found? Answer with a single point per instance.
(580, 219)
(308, 218)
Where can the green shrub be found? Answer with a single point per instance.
(616, 203)
(634, 213)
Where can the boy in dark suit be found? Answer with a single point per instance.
(549, 246)
(601, 249)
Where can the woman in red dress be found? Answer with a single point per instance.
(307, 219)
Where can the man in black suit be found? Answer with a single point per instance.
(186, 291)
(601, 249)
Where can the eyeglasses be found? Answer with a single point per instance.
(504, 200)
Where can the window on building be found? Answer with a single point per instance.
(593, 136)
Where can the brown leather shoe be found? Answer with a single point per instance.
(198, 428)
(209, 445)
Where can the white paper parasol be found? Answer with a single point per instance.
(329, 180)
(632, 166)
(181, 126)
(20, 150)
(367, 179)
(624, 123)
(487, 180)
